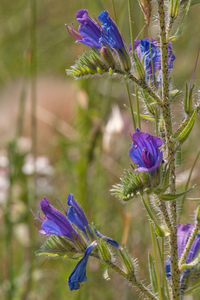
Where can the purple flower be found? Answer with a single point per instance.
(144, 53)
(144, 151)
(89, 31)
(79, 273)
(183, 233)
(110, 33)
(55, 222)
(76, 214)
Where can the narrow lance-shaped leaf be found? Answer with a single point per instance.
(158, 228)
(171, 197)
(152, 273)
(180, 28)
(183, 135)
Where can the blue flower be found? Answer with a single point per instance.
(89, 31)
(144, 151)
(142, 47)
(183, 233)
(107, 239)
(76, 214)
(110, 32)
(56, 223)
(79, 273)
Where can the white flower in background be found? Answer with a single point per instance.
(115, 125)
(24, 145)
(41, 165)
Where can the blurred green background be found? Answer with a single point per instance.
(81, 142)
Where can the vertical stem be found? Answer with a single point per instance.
(131, 107)
(155, 259)
(33, 76)
(170, 151)
(132, 44)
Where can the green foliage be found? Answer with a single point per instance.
(132, 183)
(152, 274)
(57, 246)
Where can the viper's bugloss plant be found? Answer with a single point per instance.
(75, 232)
(152, 175)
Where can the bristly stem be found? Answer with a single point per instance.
(133, 280)
(170, 150)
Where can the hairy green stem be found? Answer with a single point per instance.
(132, 279)
(170, 151)
(144, 86)
(164, 212)
(155, 259)
(131, 106)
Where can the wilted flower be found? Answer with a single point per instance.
(183, 234)
(56, 223)
(152, 57)
(144, 151)
(88, 32)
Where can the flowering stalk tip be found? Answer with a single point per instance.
(145, 151)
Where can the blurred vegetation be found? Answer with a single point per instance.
(80, 164)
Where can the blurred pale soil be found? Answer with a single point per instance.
(56, 105)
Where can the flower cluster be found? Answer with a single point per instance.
(149, 52)
(74, 226)
(145, 151)
(92, 34)
(183, 234)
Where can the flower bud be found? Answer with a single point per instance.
(146, 9)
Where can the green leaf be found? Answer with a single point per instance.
(57, 246)
(146, 117)
(132, 183)
(183, 135)
(171, 197)
(160, 230)
(180, 28)
(149, 103)
(191, 290)
(152, 273)
(193, 199)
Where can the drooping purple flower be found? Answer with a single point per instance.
(110, 32)
(79, 273)
(152, 57)
(183, 234)
(89, 31)
(76, 214)
(145, 151)
(56, 223)
(107, 239)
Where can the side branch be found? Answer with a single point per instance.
(133, 280)
(144, 86)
